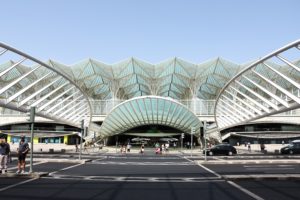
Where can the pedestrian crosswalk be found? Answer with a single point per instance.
(140, 163)
(135, 178)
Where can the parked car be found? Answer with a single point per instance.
(293, 148)
(221, 149)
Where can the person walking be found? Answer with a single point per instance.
(262, 147)
(142, 149)
(4, 155)
(76, 147)
(128, 147)
(249, 146)
(22, 152)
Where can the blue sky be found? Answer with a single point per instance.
(155, 30)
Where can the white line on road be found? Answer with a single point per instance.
(245, 190)
(135, 179)
(271, 169)
(65, 168)
(27, 181)
(266, 166)
(230, 182)
(140, 163)
(209, 170)
(38, 163)
(17, 184)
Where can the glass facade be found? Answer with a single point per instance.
(134, 93)
(149, 110)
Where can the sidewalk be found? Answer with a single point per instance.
(46, 147)
(136, 150)
(255, 148)
(62, 148)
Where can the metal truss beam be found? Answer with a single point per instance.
(31, 86)
(270, 94)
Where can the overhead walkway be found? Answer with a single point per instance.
(262, 89)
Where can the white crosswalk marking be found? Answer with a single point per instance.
(136, 179)
(141, 163)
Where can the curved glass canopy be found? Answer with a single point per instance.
(149, 110)
(175, 78)
(261, 89)
(53, 93)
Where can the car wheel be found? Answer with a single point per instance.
(211, 153)
(230, 153)
(291, 152)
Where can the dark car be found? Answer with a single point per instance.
(221, 149)
(293, 148)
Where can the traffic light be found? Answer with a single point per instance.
(193, 130)
(31, 115)
(201, 132)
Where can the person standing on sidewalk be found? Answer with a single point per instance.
(4, 154)
(249, 146)
(22, 152)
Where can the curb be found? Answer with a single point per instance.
(83, 161)
(26, 175)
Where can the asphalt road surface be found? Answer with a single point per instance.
(155, 177)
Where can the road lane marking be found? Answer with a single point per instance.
(158, 157)
(64, 169)
(205, 168)
(140, 163)
(271, 169)
(38, 163)
(256, 197)
(266, 166)
(136, 179)
(17, 184)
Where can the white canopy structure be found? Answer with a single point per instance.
(269, 86)
(149, 110)
(52, 92)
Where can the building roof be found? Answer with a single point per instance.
(175, 78)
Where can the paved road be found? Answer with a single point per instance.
(255, 169)
(135, 176)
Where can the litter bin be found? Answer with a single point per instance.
(51, 150)
(63, 150)
(276, 151)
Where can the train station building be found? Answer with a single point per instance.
(133, 98)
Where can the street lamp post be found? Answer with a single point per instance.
(31, 120)
(205, 146)
(182, 136)
(81, 138)
(192, 134)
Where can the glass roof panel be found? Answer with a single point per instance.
(150, 110)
